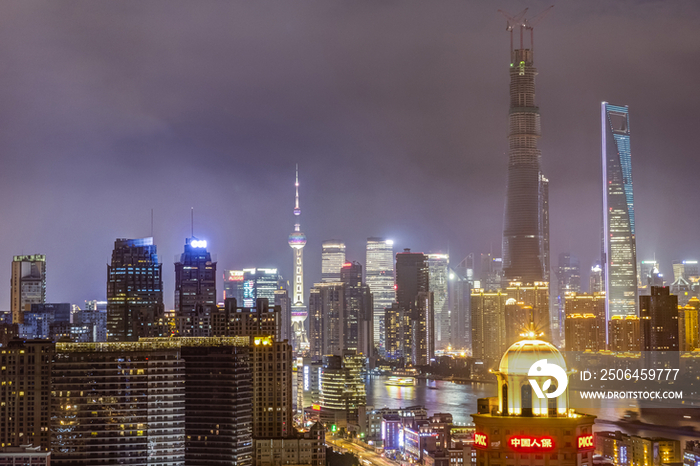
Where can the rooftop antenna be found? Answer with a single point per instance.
(192, 219)
(151, 221)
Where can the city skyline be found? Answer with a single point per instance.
(128, 129)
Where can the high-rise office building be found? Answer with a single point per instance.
(624, 334)
(272, 388)
(326, 311)
(438, 272)
(332, 259)
(535, 295)
(459, 290)
(526, 210)
(415, 300)
(595, 280)
(134, 290)
(262, 319)
(491, 273)
(297, 241)
(218, 404)
(584, 332)
(687, 269)
(393, 332)
(340, 315)
(568, 280)
(25, 390)
(118, 403)
(688, 328)
(28, 284)
(195, 278)
(94, 319)
(544, 228)
(619, 242)
(284, 302)
(379, 276)
(658, 313)
(342, 393)
(358, 321)
(488, 324)
(585, 303)
(644, 270)
(247, 285)
(581, 306)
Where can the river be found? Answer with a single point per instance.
(460, 400)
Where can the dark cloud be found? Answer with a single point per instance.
(395, 111)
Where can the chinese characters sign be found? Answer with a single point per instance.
(528, 444)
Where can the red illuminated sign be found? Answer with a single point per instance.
(481, 440)
(585, 442)
(235, 276)
(528, 444)
(316, 407)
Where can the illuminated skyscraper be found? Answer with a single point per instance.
(568, 280)
(525, 244)
(438, 265)
(619, 246)
(297, 241)
(28, 284)
(595, 280)
(379, 273)
(195, 278)
(248, 285)
(332, 258)
(134, 290)
(416, 329)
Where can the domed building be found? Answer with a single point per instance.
(530, 419)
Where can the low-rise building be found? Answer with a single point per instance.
(307, 448)
(24, 455)
(628, 450)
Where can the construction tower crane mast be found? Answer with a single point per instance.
(524, 24)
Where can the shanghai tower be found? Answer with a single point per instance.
(525, 240)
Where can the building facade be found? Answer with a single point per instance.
(25, 391)
(438, 272)
(247, 285)
(619, 238)
(658, 313)
(28, 284)
(415, 300)
(379, 276)
(332, 259)
(134, 290)
(526, 210)
(195, 278)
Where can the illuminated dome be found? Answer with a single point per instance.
(532, 380)
(297, 240)
(523, 354)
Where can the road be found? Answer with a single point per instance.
(367, 457)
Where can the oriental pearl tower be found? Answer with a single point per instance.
(297, 241)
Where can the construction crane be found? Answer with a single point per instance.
(524, 23)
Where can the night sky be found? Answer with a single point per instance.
(396, 112)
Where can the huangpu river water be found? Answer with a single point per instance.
(460, 400)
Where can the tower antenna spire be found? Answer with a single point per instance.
(297, 210)
(192, 220)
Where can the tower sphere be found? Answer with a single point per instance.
(297, 240)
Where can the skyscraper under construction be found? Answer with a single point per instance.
(526, 222)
